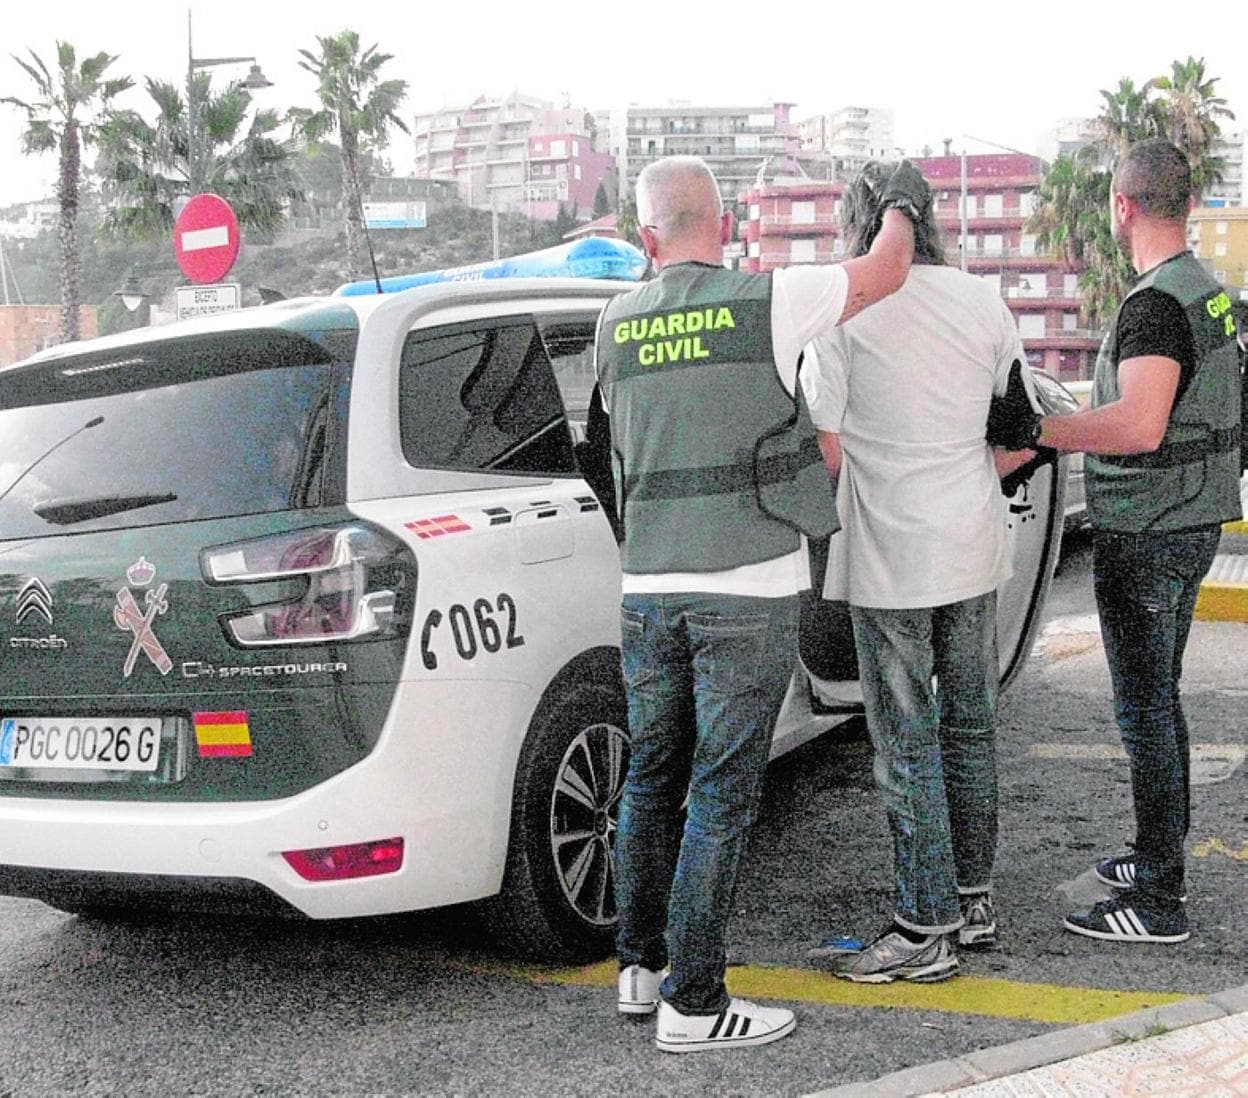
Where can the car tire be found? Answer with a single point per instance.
(557, 902)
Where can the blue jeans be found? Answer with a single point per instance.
(705, 675)
(1146, 587)
(935, 752)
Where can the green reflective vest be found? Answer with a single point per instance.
(1192, 479)
(716, 465)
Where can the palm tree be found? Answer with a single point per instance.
(1065, 199)
(1128, 114)
(146, 167)
(360, 107)
(1073, 209)
(1072, 217)
(64, 117)
(1189, 117)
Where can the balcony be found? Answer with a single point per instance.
(785, 224)
(547, 193)
(1065, 339)
(951, 219)
(1004, 255)
(1018, 298)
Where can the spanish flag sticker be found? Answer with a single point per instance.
(436, 527)
(223, 734)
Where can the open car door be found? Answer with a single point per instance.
(825, 689)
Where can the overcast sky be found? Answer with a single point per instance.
(1001, 71)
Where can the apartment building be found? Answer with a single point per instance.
(1232, 189)
(798, 221)
(516, 153)
(850, 135)
(1219, 239)
(737, 143)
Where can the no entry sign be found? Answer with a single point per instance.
(205, 238)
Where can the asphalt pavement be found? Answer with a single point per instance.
(424, 1005)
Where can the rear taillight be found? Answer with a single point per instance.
(340, 863)
(357, 582)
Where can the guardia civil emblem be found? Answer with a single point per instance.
(128, 617)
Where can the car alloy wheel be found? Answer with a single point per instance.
(584, 812)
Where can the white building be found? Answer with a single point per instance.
(27, 221)
(1233, 189)
(736, 142)
(853, 135)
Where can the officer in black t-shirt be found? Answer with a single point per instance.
(1162, 474)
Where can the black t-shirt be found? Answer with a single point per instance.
(1153, 323)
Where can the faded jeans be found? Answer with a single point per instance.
(705, 675)
(935, 751)
(1146, 587)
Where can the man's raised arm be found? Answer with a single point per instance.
(884, 268)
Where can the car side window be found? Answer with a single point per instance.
(570, 344)
(482, 395)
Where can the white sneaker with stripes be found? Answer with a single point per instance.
(638, 989)
(1121, 919)
(740, 1025)
(1119, 872)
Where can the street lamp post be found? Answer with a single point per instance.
(254, 79)
(962, 204)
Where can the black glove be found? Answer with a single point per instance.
(907, 191)
(1013, 424)
(1011, 481)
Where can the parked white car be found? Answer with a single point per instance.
(311, 609)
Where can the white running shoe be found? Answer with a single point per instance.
(639, 989)
(742, 1023)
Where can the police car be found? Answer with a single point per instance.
(309, 608)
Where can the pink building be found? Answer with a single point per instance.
(515, 153)
(564, 169)
(798, 221)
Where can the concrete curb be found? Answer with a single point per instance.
(1223, 594)
(1048, 1048)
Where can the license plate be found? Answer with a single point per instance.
(80, 743)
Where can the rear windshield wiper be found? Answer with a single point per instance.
(65, 512)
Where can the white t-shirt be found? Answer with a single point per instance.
(805, 301)
(906, 385)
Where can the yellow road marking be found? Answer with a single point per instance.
(1216, 846)
(965, 995)
(1222, 602)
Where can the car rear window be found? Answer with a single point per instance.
(168, 431)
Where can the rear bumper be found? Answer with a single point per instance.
(441, 777)
(78, 890)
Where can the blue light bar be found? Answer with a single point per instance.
(593, 257)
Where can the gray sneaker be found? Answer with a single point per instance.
(979, 922)
(892, 956)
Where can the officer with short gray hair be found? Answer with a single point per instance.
(718, 476)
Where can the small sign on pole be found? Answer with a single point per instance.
(194, 301)
(206, 238)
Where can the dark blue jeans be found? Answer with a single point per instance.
(706, 675)
(930, 681)
(1146, 587)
